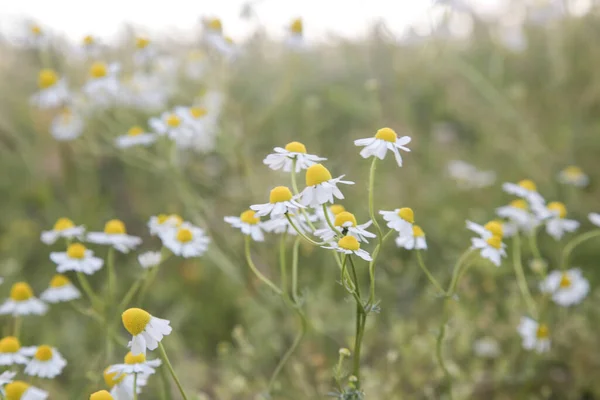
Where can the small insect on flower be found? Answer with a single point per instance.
(102, 86)
(101, 395)
(23, 302)
(135, 137)
(535, 336)
(347, 225)
(594, 218)
(63, 228)
(492, 228)
(525, 189)
(77, 258)
(147, 331)
(283, 158)
(349, 245)
(67, 125)
(53, 90)
(491, 248)
(416, 240)
(281, 201)
(186, 241)
(61, 290)
(554, 216)
(401, 220)
(573, 175)
(385, 139)
(115, 235)
(121, 386)
(150, 259)
(249, 224)
(567, 288)
(6, 377)
(19, 390)
(135, 365)
(11, 352)
(321, 188)
(47, 362)
(517, 212)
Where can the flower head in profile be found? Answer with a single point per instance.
(170, 124)
(573, 175)
(103, 86)
(135, 365)
(345, 223)
(249, 223)
(63, 228)
(518, 213)
(22, 302)
(525, 189)
(349, 245)
(60, 290)
(281, 201)
(121, 385)
(401, 220)
(35, 36)
(534, 335)
(46, 362)
(295, 37)
(384, 140)
(415, 240)
(6, 377)
(115, 235)
(566, 287)
(554, 215)
(135, 136)
(146, 331)
(321, 187)
(19, 390)
(186, 240)
(150, 259)
(11, 352)
(144, 50)
(53, 91)
(90, 47)
(67, 125)
(491, 248)
(77, 258)
(492, 228)
(283, 158)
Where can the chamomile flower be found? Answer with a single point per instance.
(594, 218)
(198, 129)
(90, 47)
(283, 158)
(349, 245)
(36, 36)
(332, 211)
(147, 331)
(63, 228)
(150, 259)
(282, 225)
(115, 235)
(281, 201)
(53, 90)
(573, 175)
(77, 258)
(321, 188)
(567, 288)
(102, 86)
(295, 38)
(101, 395)
(161, 223)
(346, 223)
(135, 365)
(385, 139)
(11, 352)
(535, 336)
(517, 212)
(491, 248)
(169, 124)
(249, 224)
(213, 31)
(195, 66)
(144, 50)
(121, 386)
(23, 302)
(145, 91)
(46, 362)
(61, 289)
(415, 240)
(6, 377)
(492, 228)
(556, 224)
(186, 241)
(135, 137)
(400, 220)
(467, 176)
(525, 189)
(66, 125)
(19, 390)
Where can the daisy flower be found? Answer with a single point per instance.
(385, 139)
(47, 362)
(535, 336)
(525, 189)
(169, 124)
(6, 377)
(573, 175)
(63, 228)
(90, 46)
(517, 212)
(321, 188)
(11, 352)
(567, 288)
(66, 125)
(186, 241)
(23, 302)
(147, 331)
(36, 37)
(19, 390)
(281, 201)
(77, 258)
(491, 248)
(53, 90)
(349, 245)
(213, 31)
(61, 289)
(400, 220)
(594, 218)
(121, 386)
(102, 86)
(492, 228)
(467, 176)
(249, 224)
(282, 225)
(295, 38)
(150, 259)
(135, 137)
(101, 395)
(415, 240)
(556, 223)
(161, 223)
(144, 52)
(283, 158)
(135, 365)
(116, 236)
(346, 222)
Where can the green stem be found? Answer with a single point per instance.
(87, 288)
(431, 278)
(295, 270)
(574, 243)
(259, 274)
(301, 233)
(456, 271)
(165, 385)
(439, 351)
(165, 358)
(372, 266)
(372, 201)
(533, 244)
(282, 265)
(112, 278)
(328, 219)
(360, 326)
(131, 292)
(135, 395)
(520, 274)
(18, 323)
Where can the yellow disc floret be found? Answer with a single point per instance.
(297, 26)
(565, 281)
(343, 217)
(215, 24)
(135, 320)
(173, 121)
(280, 194)
(98, 70)
(15, 390)
(198, 112)
(62, 224)
(317, 174)
(9, 344)
(386, 134)
(295, 147)
(115, 227)
(59, 281)
(88, 40)
(184, 235)
(528, 184)
(573, 172)
(101, 395)
(43, 353)
(76, 250)
(47, 78)
(417, 231)
(495, 242)
(249, 217)
(520, 203)
(162, 218)
(542, 331)
(407, 214)
(349, 243)
(111, 379)
(495, 227)
(177, 220)
(36, 30)
(21, 291)
(142, 42)
(337, 208)
(559, 208)
(135, 130)
(131, 359)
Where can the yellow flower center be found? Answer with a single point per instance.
(9, 344)
(565, 281)
(63, 223)
(417, 231)
(135, 320)
(76, 250)
(573, 172)
(316, 174)
(184, 235)
(495, 227)
(162, 218)
(386, 134)
(135, 130)
(229, 39)
(43, 353)
(295, 147)
(15, 390)
(98, 70)
(215, 25)
(407, 214)
(177, 218)
(101, 395)
(297, 26)
(36, 30)
(115, 227)
(542, 331)
(59, 281)
(280, 194)
(520, 203)
(47, 78)
(88, 40)
(111, 379)
(495, 242)
(528, 185)
(343, 217)
(21, 291)
(131, 359)
(337, 208)
(198, 112)
(559, 208)
(142, 42)
(349, 243)
(249, 217)
(173, 121)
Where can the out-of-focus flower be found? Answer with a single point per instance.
(53, 90)
(517, 212)
(150, 259)
(486, 347)
(77, 258)
(195, 64)
(146, 330)
(102, 87)
(525, 189)
(22, 302)
(46, 362)
(413, 240)
(60, 290)
(144, 50)
(135, 137)
(186, 240)
(63, 228)
(566, 287)
(11, 352)
(295, 37)
(135, 365)
(249, 224)
(554, 217)
(19, 390)
(401, 219)
(467, 176)
(491, 248)
(535, 336)
(115, 235)
(573, 175)
(67, 125)
(594, 218)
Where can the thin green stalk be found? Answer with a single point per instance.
(131, 292)
(295, 270)
(301, 233)
(87, 288)
(135, 395)
(259, 274)
(17, 327)
(372, 201)
(574, 243)
(431, 278)
(439, 351)
(282, 265)
(112, 278)
(165, 393)
(534, 245)
(328, 219)
(520, 274)
(165, 358)
(456, 271)
(372, 266)
(360, 325)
